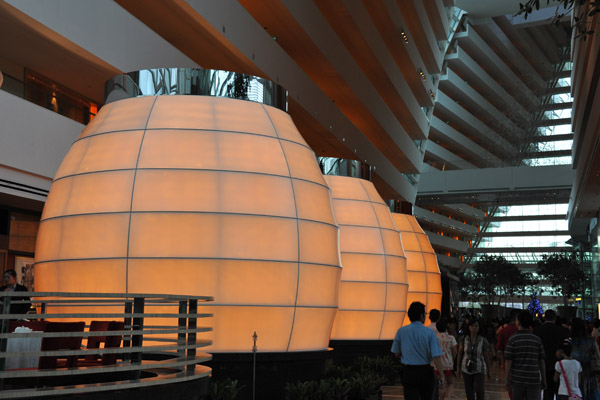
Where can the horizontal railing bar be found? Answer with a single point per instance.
(158, 326)
(110, 350)
(161, 338)
(182, 376)
(58, 302)
(91, 303)
(152, 339)
(173, 297)
(118, 367)
(85, 334)
(83, 302)
(106, 315)
(175, 329)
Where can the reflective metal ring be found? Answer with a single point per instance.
(195, 81)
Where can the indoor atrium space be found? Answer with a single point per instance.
(257, 199)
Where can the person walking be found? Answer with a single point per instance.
(504, 334)
(568, 371)
(449, 350)
(524, 361)
(434, 317)
(474, 361)
(584, 349)
(417, 346)
(552, 337)
(596, 329)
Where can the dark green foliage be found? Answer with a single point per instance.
(356, 381)
(491, 279)
(300, 390)
(383, 366)
(363, 385)
(564, 273)
(528, 285)
(584, 9)
(324, 389)
(224, 389)
(338, 371)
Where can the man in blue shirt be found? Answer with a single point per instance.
(418, 346)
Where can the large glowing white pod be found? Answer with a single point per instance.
(424, 278)
(373, 285)
(203, 195)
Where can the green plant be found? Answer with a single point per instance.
(299, 390)
(356, 381)
(528, 286)
(564, 273)
(224, 389)
(582, 21)
(491, 279)
(338, 388)
(363, 385)
(333, 370)
(381, 365)
(324, 389)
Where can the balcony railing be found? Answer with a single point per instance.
(148, 339)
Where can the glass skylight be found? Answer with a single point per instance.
(524, 241)
(529, 226)
(540, 162)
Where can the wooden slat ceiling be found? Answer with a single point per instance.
(372, 61)
(353, 51)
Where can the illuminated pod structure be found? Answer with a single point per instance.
(373, 287)
(424, 278)
(208, 194)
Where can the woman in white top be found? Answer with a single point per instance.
(572, 370)
(449, 349)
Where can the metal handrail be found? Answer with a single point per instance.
(172, 340)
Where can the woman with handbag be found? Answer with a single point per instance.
(568, 371)
(474, 361)
(586, 352)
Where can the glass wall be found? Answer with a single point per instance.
(522, 234)
(49, 94)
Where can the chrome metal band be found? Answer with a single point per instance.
(344, 167)
(193, 81)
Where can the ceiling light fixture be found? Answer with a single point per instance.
(404, 37)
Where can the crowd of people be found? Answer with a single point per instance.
(540, 358)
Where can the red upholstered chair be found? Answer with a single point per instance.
(61, 343)
(113, 341)
(93, 342)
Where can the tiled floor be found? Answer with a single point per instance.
(494, 388)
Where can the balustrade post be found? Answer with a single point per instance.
(127, 323)
(4, 329)
(137, 336)
(181, 326)
(43, 311)
(193, 312)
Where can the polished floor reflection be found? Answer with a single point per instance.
(494, 388)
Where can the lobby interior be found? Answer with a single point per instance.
(476, 121)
